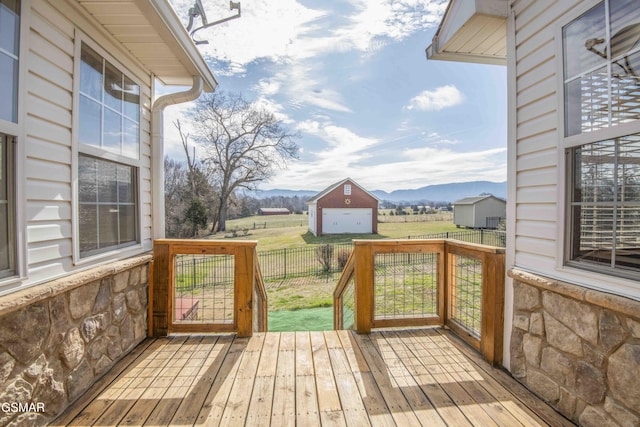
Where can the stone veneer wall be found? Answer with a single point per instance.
(578, 349)
(58, 338)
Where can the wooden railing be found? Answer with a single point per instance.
(220, 290)
(400, 283)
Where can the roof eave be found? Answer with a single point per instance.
(433, 54)
(178, 39)
(471, 31)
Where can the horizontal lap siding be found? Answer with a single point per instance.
(537, 119)
(48, 139)
(48, 143)
(145, 168)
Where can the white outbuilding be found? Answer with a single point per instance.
(479, 211)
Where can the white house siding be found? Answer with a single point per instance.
(48, 145)
(537, 138)
(313, 224)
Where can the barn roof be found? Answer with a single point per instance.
(332, 187)
(475, 199)
(275, 210)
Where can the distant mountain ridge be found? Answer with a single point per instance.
(435, 193)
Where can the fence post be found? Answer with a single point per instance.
(193, 283)
(160, 298)
(244, 279)
(364, 288)
(284, 251)
(492, 327)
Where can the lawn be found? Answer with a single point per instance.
(292, 231)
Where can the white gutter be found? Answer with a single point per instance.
(157, 151)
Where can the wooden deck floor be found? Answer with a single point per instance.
(403, 377)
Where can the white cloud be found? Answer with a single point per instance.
(416, 169)
(379, 19)
(295, 37)
(361, 158)
(302, 84)
(435, 100)
(288, 29)
(266, 29)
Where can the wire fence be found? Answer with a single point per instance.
(325, 260)
(484, 237)
(405, 285)
(465, 298)
(317, 260)
(349, 306)
(204, 289)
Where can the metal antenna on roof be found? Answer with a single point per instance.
(198, 11)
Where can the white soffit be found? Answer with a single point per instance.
(153, 34)
(472, 31)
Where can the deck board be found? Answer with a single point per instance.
(402, 377)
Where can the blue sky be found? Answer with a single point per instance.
(352, 78)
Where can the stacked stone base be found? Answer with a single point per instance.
(578, 349)
(59, 338)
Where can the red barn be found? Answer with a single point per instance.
(273, 211)
(343, 208)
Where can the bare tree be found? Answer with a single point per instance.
(244, 145)
(175, 176)
(200, 194)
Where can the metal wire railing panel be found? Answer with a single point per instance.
(349, 306)
(405, 285)
(204, 289)
(465, 293)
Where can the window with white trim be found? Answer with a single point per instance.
(109, 107)
(9, 62)
(109, 146)
(9, 56)
(347, 189)
(601, 58)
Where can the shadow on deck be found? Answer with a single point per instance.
(404, 377)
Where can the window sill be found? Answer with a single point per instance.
(114, 254)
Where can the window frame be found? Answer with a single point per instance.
(17, 87)
(79, 149)
(617, 278)
(9, 168)
(17, 133)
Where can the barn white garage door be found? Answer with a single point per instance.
(339, 221)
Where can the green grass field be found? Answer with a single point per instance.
(292, 231)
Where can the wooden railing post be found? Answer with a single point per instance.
(364, 270)
(243, 293)
(159, 298)
(493, 276)
(450, 285)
